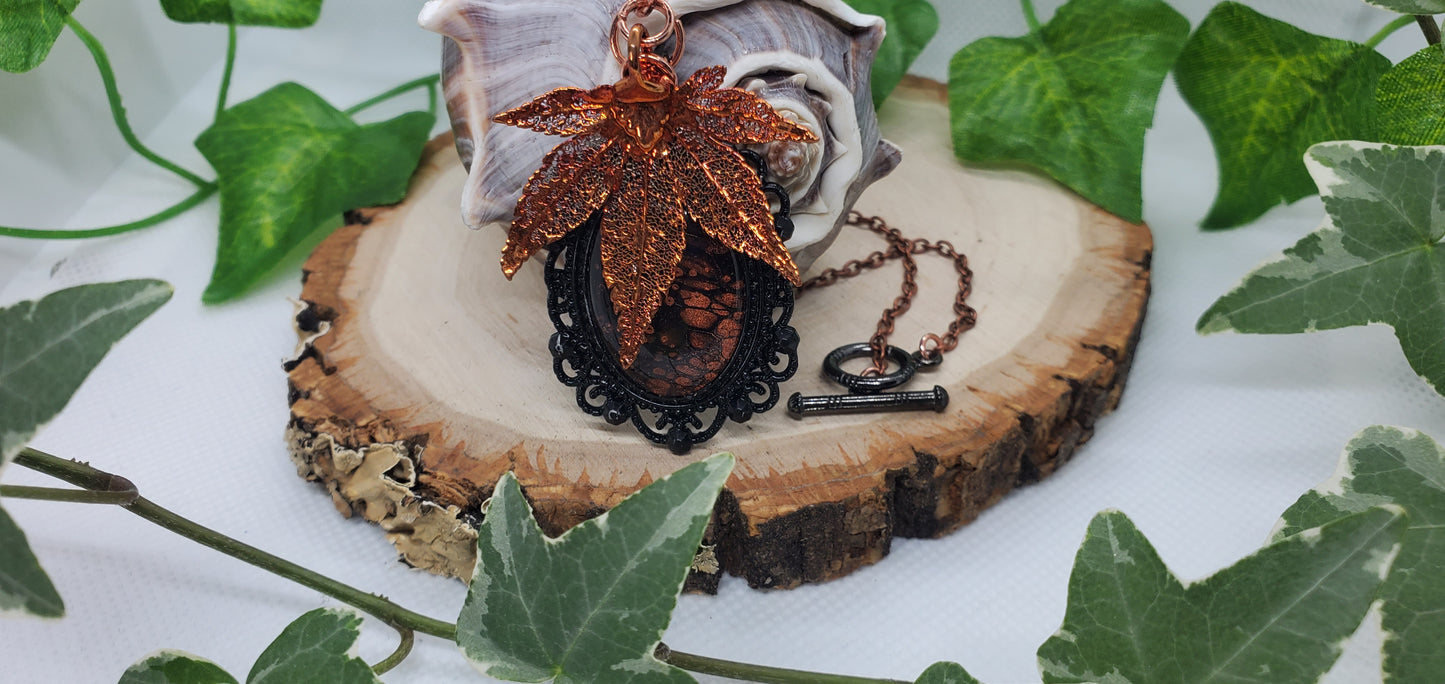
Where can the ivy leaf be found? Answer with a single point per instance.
(1377, 259)
(1410, 100)
(1277, 616)
(1073, 100)
(28, 29)
(317, 647)
(175, 667)
(1267, 91)
(48, 347)
(1410, 6)
(591, 605)
(1404, 467)
(25, 589)
(283, 13)
(910, 24)
(287, 162)
(946, 673)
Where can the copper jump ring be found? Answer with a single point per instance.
(622, 33)
(930, 350)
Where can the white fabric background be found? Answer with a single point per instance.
(1215, 436)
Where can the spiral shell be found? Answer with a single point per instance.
(810, 58)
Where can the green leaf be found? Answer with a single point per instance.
(283, 13)
(317, 647)
(48, 347)
(591, 605)
(1411, 6)
(1410, 100)
(1074, 100)
(910, 25)
(28, 29)
(946, 673)
(1267, 91)
(1404, 467)
(175, 667)
(288, 163)
(24, 587)
(1377, 259)
(1278, 616)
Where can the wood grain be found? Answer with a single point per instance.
(423, 374)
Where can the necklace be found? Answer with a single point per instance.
(668, 282)
(665, 263)
(865, 388)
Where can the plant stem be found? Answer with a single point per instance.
(404, 621)
(757, 673)
(82, 475)
(1031, 17)
(431, 98)
(117, 111)
(118, 498)
(403, 649)
(1389, 28)
(226, 71)
(425, 81)
(183, 206)
(1429, 28)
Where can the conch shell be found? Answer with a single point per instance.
(811, 59)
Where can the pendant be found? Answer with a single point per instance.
(668, 281)
(719, 345)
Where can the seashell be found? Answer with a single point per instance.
(797, 166)
(810, 58)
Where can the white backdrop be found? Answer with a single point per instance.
(1215, 436)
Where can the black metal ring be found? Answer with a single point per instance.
(867, 384)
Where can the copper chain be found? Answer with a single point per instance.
(931, 347)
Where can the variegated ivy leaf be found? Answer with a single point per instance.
(318, 647)
(591, 605)
(1377, 259)
(48, 347)
(25, 589)
(175, 667)
(946, 673)
(1411, 6)
(1276, 617)
(1403, 467)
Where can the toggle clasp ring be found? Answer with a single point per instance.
(864, 383)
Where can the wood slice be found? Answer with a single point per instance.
(424, 375)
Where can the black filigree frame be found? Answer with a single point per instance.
(766, 355)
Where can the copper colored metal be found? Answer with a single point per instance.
(719, 346)
(931, 347)
(649, 154)
(622, 34)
